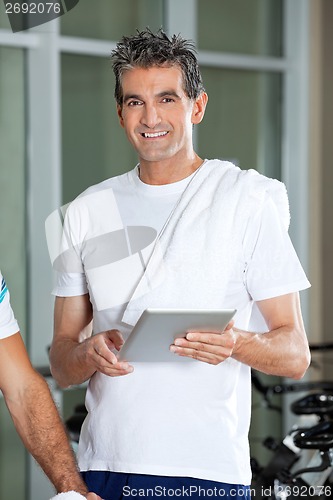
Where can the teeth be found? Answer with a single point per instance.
(157, 134)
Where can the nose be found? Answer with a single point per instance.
(150, 116)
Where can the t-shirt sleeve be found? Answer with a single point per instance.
(70, 279)
(8, 323)
(273, 267)
(69, 284)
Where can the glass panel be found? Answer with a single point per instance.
(248, 27)
(12, 242)
(12, 177)
(4, 21)
(94, 144)
(112, 19)
(243, 119)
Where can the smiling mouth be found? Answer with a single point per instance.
(147, 135)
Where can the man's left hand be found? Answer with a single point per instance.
(209, 347)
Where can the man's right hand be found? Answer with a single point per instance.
(98, 353)
(93, 496)
(73, 360)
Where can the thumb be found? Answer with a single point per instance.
(229, 325)
(115, 338)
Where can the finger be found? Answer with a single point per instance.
(205, 338)
(116, 370)
(109, 364)
(216, 338)
(101, 350)
(225, 339)
(220, 352)
(207, 349)
(105, 342)
(207, 357)
(113, 369)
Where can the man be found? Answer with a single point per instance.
(31, 406)
(177, 232)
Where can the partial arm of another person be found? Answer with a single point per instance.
(36, 418)
(282, 351)
(73, 361)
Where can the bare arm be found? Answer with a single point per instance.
(36, 418)
(282, 351)
(72, 361)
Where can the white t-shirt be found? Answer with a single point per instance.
(8, 324)
(172, 419)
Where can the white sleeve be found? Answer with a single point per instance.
(8, 323)
(70, 279)
(273, 267)
(69, 284)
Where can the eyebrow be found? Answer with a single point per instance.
(164, 93)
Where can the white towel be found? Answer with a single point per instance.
(69, 495)
(194, 253)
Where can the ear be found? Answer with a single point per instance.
(199, 108)
(120, 115)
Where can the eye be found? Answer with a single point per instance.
(134, 103)
(168, 99)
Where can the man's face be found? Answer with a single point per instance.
(156, 113)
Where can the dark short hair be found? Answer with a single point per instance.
(146, 49)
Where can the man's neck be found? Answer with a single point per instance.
(160, 173)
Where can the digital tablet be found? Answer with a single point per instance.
(157, 329)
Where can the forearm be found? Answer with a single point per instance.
(42, 432)
(283, 351)
(69, 362)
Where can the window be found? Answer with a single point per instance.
(94, 146)
(112, 19)
(243, 119)
(13, 245)
(251, 27)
